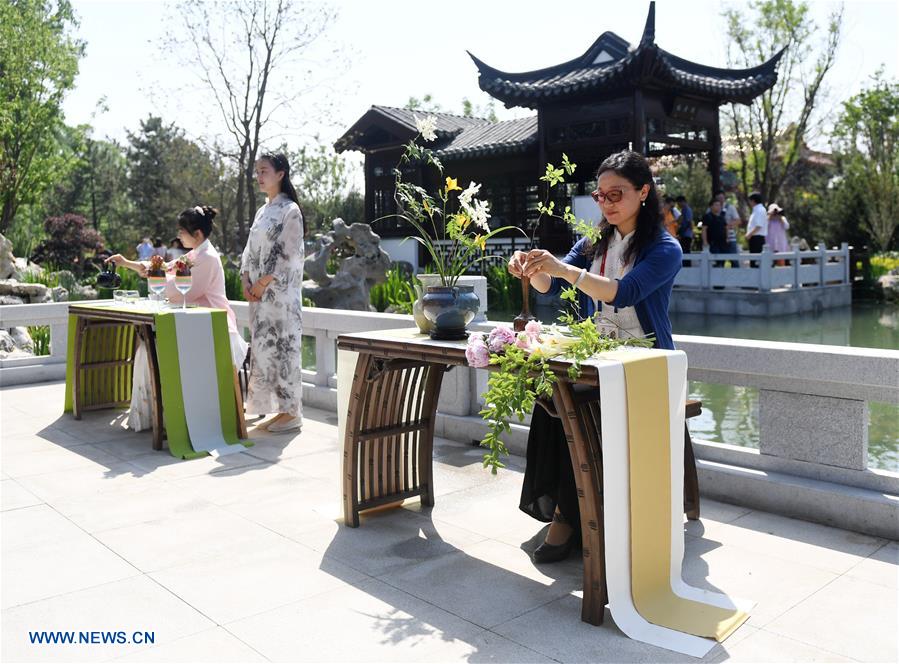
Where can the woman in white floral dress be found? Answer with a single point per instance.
(272, 275)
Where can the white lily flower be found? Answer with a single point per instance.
(470, 192)
(426, 127)
(478, 212)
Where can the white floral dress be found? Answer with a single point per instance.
(275, 247)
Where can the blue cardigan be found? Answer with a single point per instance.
(647, 287)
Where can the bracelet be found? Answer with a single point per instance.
(580, 277)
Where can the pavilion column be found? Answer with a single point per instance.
(639, 129)
(541, 167)
(369, 191)
(715, 154)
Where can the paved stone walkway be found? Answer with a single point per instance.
(245, 559)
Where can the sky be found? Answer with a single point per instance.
(400, 48)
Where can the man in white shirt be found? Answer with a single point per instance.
(757, 229)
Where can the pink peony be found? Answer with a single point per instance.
(500, 337)
(534, 328)
(524, 341)
(477, 353)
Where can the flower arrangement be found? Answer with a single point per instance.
(183, 265)
(453, 214)
(157, 266)
(523, 368)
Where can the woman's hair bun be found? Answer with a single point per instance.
(209, 212)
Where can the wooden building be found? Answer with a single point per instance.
(613, 97)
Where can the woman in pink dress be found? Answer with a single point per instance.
(777, 238)
(207, 288)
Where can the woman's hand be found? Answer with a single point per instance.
(540, 261)
(516, 264)
(257, 290)
(119, 260)
(248, 295)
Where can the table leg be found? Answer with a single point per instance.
(149, 339)
(691, 481)
(581, 426)
(78, 378)
(389, 439)
(238, 403)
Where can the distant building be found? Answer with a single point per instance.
(612, 97)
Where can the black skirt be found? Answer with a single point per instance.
(548, 476)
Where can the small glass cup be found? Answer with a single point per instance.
(118, 296)
(132, 296)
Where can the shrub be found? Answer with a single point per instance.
(68, 238)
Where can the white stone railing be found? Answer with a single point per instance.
(802, 269)
(813, 414)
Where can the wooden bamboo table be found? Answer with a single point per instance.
(104, 343)
(389, 437)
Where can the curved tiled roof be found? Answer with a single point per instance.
(610, 64)
(505, 137)
(458, 136)
(403, 121)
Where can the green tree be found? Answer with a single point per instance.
(168, 172)
(96, 187)
(321, 177)
(770, 132)
(38, 63)
(150, 179)
(427, 104)
(866, 139)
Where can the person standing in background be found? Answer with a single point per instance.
(757, 230)
(175, 250)
(159, 248)
(685, 224)
(670, 215)
(144, 250)
(714, 230)
(777, 231)
(734, 221)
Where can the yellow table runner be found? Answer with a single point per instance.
(642, 398)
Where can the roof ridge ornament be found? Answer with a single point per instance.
(649, 30)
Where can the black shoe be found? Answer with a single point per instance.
(553, 553)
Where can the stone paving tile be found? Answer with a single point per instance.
(246, 558)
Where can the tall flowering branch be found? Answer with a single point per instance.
(461, 217)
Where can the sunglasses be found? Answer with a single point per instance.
(614, 196)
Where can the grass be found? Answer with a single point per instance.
(397, 291)
(503, 290)
(233, 287)
(40, 335)
(48, 278)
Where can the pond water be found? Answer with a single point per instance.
(731, 414)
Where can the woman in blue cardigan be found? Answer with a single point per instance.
(626, 277)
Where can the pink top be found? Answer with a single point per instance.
(207, 285)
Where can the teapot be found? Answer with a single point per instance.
(108, 277)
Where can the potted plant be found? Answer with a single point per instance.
(457, 218)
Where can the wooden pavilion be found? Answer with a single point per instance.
(612, 97)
